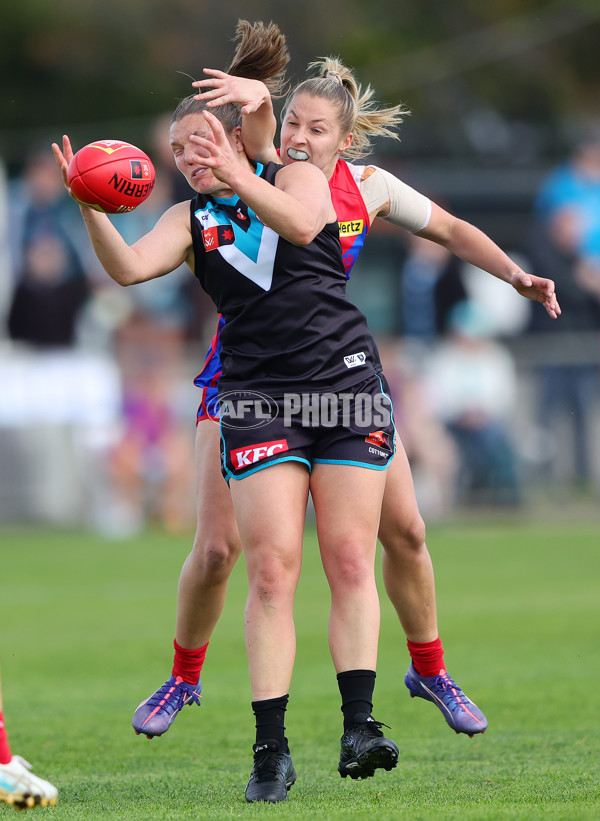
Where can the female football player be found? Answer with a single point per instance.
(325, 119)
(263, 242)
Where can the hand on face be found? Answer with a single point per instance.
(217, 153)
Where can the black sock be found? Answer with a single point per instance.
(270, 715)
(356, 689)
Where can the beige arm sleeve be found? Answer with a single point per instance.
(401, 204)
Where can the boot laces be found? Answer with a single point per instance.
(453, 695)
(372, 728)
(266, 759)
(172, 696)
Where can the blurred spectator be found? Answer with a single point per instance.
(566, 246)
(150, 465)
(471, 383)
(569, 376)
(49, 294)
(575, 184)
(431, 285)
(429, 447)
(49, 256)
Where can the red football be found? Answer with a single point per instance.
(111, 176)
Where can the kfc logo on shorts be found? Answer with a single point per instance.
(379, 439)
(244, 457)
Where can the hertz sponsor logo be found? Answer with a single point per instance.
(351, 228)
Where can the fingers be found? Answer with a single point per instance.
(215, 124)
(220, 76)
(552, 307)
(216, 94)
(67, 148)
(214, 146)
(63, 157)
(207, 84)
(58, 155)
(215, 72)
(556, 311)
(251, 107)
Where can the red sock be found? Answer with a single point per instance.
(5, 753)
(187, 664)
(427, 657)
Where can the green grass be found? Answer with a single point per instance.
(86, 629)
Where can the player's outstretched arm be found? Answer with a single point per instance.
(473, 246)
(157, 253)
(258, 120)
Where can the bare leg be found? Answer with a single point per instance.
(205, 572)
(273, 551)
(407, 568)
(202, 589)
(408, 578)
(347, 504)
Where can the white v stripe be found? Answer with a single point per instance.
(259, 272)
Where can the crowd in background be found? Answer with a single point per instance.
(98, 379)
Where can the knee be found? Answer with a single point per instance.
(272, 580)
(403, 535)
(215, 557)
(349, 571)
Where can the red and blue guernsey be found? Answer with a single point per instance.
(353, 220)
(351, 212)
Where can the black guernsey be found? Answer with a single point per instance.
(288, 322)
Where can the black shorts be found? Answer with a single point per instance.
(350, 427)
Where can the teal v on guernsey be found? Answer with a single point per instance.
(232, 229)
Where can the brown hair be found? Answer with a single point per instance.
(356, 113)
(261, 54)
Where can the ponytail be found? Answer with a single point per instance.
(261, 54)
(356, 112)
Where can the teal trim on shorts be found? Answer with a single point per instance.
(231, 475)
(353, 464)
(391, 404)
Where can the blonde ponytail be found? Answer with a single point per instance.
(356, 112)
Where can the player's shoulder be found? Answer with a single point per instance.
(177, 214)
(361, 173)
(301, 172)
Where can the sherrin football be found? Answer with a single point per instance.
(111, 176)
